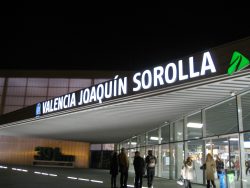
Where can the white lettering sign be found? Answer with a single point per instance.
(148, 79)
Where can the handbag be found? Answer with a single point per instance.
(203, 167)
(180, 181)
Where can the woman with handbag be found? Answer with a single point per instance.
(210, 169)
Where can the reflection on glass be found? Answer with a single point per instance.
(222, 118)
(245, 102)
(246, 161)
(194, 126)
(165, 134)
(195, 150)
(178, 130)
(176, 160)
(165, 160)
(153, 137)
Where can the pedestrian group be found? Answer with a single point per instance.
(120, 163)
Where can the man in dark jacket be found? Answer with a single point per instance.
(123, 168)
(139, 166)
(150, 164)
(114, 169)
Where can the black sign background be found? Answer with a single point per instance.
(221, 57)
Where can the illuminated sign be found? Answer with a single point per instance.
(159, 76)
(172, 73)
(237, 63)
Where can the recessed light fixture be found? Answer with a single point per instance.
(195, 125)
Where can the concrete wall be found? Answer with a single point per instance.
(21, 150)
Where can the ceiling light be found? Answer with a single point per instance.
(195, 125)
(234, 139)
(154, 138)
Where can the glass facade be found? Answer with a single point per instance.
(18, 93)
(222, 129)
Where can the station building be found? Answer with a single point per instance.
(190, 106)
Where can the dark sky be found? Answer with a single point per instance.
(91, 38)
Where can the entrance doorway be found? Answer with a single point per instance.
(227, 149)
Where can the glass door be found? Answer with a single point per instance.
(227, 149)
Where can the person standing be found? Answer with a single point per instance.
(150, 165)
(210, 170)
(188, 172)
(123, 168)
(139, 166)
(113, 169)
(219, 166)
(247, 166)
(237, 167)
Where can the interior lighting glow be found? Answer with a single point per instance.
(234, 139)
(195, 125)
(154, 138)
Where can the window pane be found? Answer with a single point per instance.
(33, 100)
(176, 160)
(36, 91)
(134, 142)
(245, 101)
(16, 91)
(195, 150)
(54, 92)
(97, 147)
(73, 89)
(125, 144)
(194, 126)
(17, 101)
(165, 161)
(108, 147)
(153, 137)
(142, 140)
(165, 134)
(58, 82)
(80, 83)
(2, 81)
(246, 159)
(17, 81)
(1, 90)
(97, 81)
(222, 118)
(178, 130)
(38, 82)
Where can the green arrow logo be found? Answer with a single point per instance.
(237, 63)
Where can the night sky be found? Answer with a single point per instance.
(91, 38)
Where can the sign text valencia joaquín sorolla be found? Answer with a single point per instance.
(159, 76)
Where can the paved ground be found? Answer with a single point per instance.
(38, 177)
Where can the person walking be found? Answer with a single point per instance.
(123, 168)
(210, 170)
(188, 172)
(150, 165)
(139, 166)
(114, 169)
